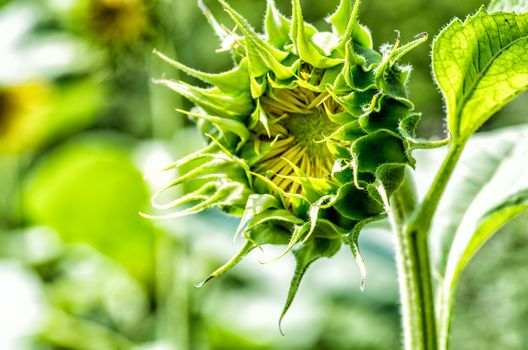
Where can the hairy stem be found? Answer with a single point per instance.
(414, 272)
(421, 220)
(417, 234)
(426, 144)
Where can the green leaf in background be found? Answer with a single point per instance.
(89, 191)
(490, 188)
(480, 65)
(75, 106)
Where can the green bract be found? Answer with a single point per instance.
(307, 135)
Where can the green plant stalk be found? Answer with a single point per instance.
(417, 302)
(421, 224)
(412, 233)
(421, 220)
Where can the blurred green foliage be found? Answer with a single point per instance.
(492, 307)
(89, 191)
(71, 189)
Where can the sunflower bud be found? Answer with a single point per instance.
(306, 136)
(114, 24)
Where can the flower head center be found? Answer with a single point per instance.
(298, 128)
(309, 132)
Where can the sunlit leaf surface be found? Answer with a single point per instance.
(480, 65)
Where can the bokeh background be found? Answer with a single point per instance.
(81, 124)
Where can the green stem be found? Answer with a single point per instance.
(426, 144)
(418, 228)
(423, 216)
(414, 272)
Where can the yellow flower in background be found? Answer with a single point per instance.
(34, 113)
(22, 109)
(117, 21)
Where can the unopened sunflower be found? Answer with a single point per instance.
(307, 135)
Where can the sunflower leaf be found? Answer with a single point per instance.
(480, 65)
(518, 6)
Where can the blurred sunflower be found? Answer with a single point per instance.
(307, 136)
(118, 22)
(22, 107)
(36, 112)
